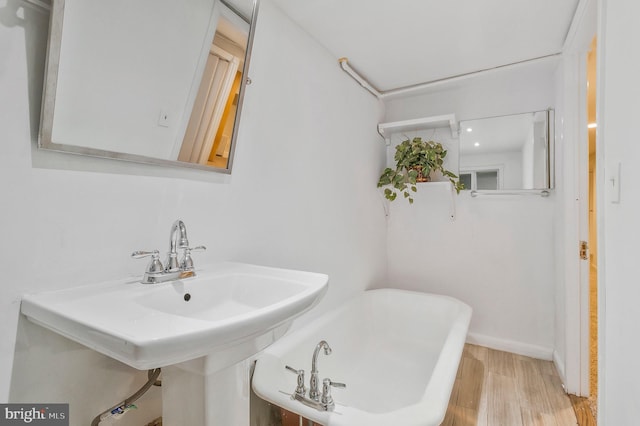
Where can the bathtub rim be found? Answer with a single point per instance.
(444, 371)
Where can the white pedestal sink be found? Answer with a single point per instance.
(204, 327)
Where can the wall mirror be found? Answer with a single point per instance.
(511, 152)
(150, 81)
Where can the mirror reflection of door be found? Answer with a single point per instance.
(208, 136)
(489, 178)
(119, 90)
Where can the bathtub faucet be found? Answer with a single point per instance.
(320, 401)
(313, 382)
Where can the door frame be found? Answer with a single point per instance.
(576, 198)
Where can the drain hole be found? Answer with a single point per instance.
(187, 297)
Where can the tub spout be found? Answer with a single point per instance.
(313, 381)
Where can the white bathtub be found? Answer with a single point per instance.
(397, 351)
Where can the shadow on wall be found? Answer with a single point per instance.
(34, 20)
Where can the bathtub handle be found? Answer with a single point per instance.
(300, 389)
(327, 400)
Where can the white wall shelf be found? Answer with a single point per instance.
(386, 130)
(434, 122)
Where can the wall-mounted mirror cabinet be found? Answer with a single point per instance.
(151, 81)
(511, 152)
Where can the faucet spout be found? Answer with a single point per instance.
(178, 236)
(314, 360)
(177, 239)
(314, 394)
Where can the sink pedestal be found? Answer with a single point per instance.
(220, 398)
(213, 390)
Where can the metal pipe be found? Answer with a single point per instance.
(344, 64)
(423, 86)
(152, 375)
(540, 192)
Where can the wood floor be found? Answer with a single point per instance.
(500, 388)
(582, 408)
(495, 388)
(593, 338)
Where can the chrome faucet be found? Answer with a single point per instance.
(320, 401)
(177, 239)
(173, 269)
(313, 382)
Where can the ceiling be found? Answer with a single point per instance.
(398, 43)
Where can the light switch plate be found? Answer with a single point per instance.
(613, 183)
(163, 120)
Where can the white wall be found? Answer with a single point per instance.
(302, 195)
(498, 255)
(524, 88)
(619, 316)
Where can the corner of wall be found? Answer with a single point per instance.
(559, 363)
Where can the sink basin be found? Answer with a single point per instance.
(154, 325)
(222, 296)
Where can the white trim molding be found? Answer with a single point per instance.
(520, 348)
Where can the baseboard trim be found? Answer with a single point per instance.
(520, 348)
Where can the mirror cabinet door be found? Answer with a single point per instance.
(509, 152)
(152, 81)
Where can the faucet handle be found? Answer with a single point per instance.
(139, 254)
(187, 262)
(155, 265)
(334, 384)
(327, 399)
(300, 389)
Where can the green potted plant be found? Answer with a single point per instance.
(416, 160)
